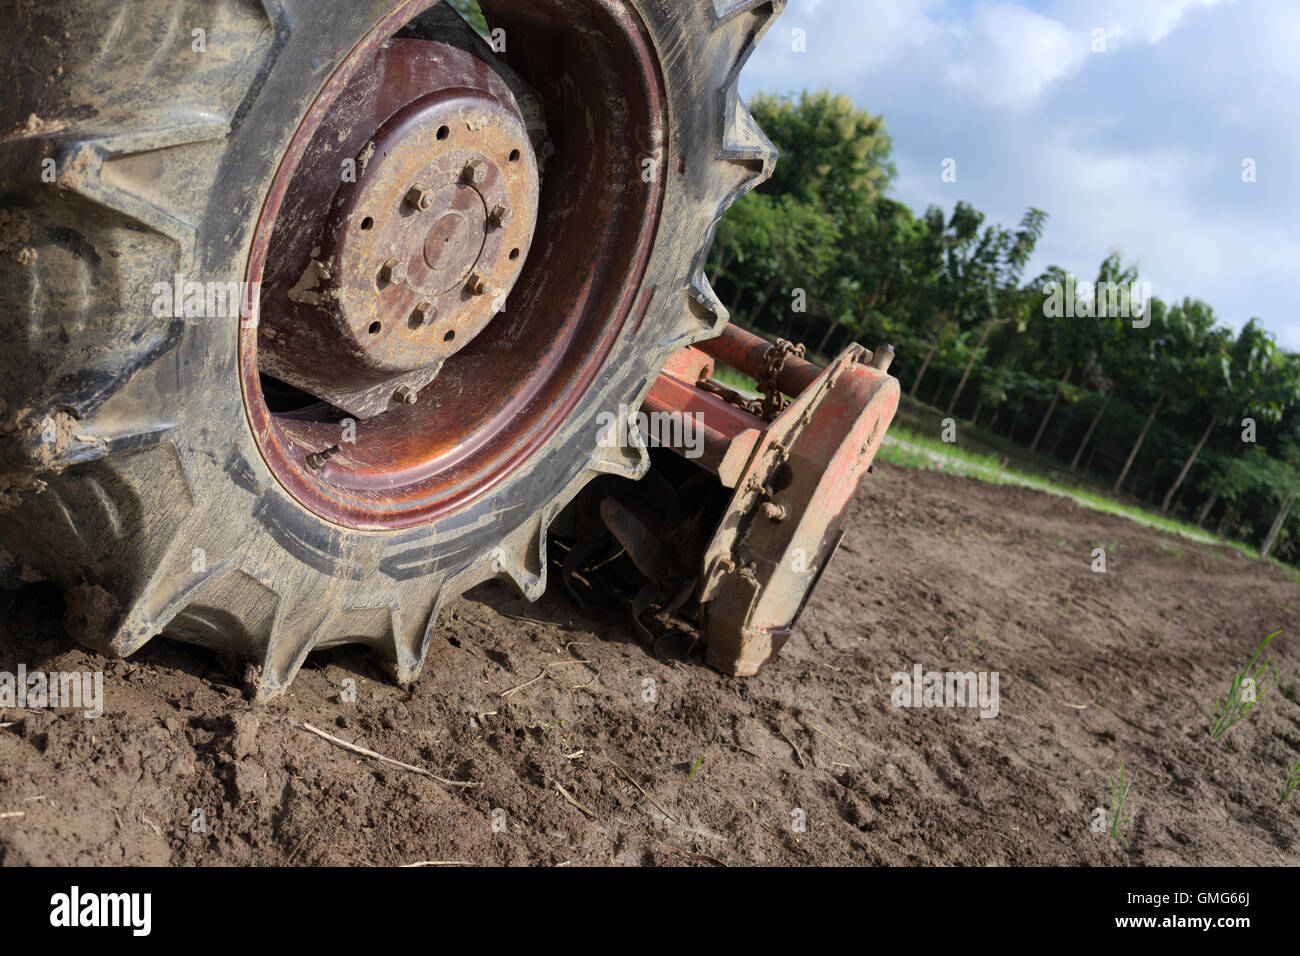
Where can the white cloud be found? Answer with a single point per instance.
(1142, 21)
(1013, 55)
(846, 39)
(1138, 148)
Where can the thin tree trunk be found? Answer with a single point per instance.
(831, 328)
(1278, 522)
(1015, 419)
(805, 328)
(1060, 437)
(1142, 436)
(756, 316)
(1187, 466)
(975, 416)
(839, 348)
(988, 327)
(789, 318)
(1042, 426)
(943, 379)
(916, 383)
(1092, 427)
(1206, 509)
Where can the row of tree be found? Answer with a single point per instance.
(1158, 400)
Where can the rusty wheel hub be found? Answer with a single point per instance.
(413, 345)
(421, 253)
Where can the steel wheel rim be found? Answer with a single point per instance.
(512, 388)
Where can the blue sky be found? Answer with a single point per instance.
(1137, 148)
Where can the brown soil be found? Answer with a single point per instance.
(936, 570)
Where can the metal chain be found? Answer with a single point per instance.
(752, 405)
(772, 402)
(773, 361)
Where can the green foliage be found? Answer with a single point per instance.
(820, 254)
(1292, 782)
(700, 759)
(842, 160)
(470, 11)
(1241, 698)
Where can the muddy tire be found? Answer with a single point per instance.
(131, 471)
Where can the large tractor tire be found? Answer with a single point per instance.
(310, 307)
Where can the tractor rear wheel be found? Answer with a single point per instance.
(312, 308)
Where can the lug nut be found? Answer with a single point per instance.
(393, 270)
(477, 284)
(405, 395)
(474, 173)
(420, 196)
(773, 512)
(500, 217)
(423, 314)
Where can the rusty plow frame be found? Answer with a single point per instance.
(744, 505)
